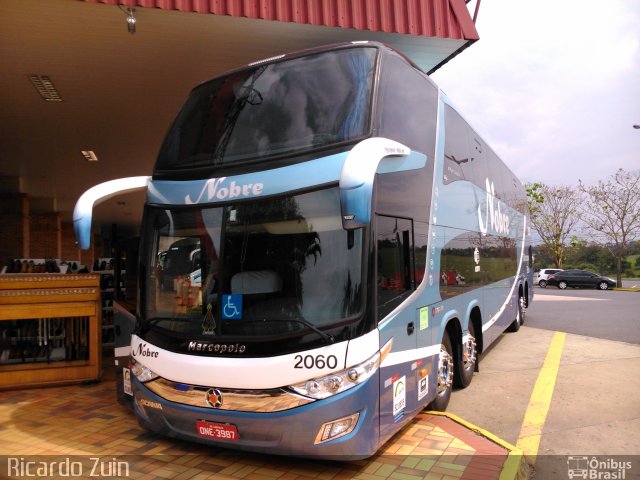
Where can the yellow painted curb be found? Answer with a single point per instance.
(515, 466)
(539, 404)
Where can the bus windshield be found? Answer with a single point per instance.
(273, 110)
(282, 266)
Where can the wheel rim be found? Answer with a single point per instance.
(470, 353)
(542, 284)
(445, 371)
(603, 286)
(562, 285)
(521, 309)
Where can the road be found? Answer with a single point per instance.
(594, 394)
(614, 315)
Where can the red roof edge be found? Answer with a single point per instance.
(448, 19)
(464, 19)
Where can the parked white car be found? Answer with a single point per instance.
(543, 275)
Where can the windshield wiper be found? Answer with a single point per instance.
(247, 94)
(153, 321)
(327, 336)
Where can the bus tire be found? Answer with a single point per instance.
(522, 309)
(445, 376)
(463, 373)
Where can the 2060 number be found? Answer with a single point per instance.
(316, 361)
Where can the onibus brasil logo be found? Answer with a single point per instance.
(594, 468)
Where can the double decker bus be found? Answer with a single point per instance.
(327, 247)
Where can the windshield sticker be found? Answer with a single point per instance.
(208, 322)
(232, 306)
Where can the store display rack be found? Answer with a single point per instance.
(50, 329)
(42, 265)
(105, 268)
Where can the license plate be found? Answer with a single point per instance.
(218, 431)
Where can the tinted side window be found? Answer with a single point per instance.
(458, 272)
(408, 106)
(469, 260)
(468, 157)
(396, 265)
(464, 151)
(456, 147)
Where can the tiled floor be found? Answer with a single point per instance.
(86, 425)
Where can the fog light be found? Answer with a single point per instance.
(337, 428)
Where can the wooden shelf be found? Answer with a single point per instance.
(60, 312)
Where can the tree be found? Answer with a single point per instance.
(554, 215)
(612, 211)
(589, 256)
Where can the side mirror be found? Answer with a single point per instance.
(83, 211)
(371, 156)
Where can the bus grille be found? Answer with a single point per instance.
(271, 400)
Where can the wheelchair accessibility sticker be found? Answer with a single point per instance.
(232, 306)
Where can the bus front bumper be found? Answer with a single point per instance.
(296, 432)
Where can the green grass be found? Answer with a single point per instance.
(633, 272)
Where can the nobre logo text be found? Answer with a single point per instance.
(144, 351)
(494, 217)
(219, 189)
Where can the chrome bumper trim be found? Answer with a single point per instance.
(272, 400)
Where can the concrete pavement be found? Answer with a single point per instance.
(595, 408)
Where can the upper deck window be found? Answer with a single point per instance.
(273, 110)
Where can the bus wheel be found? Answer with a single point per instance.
(467, 364)
(522, 308)
(445, 376)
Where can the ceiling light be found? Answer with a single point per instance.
(89, 155)
(45, 88)
(131, 24)
(131, 20)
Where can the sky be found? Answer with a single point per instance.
(553, 86)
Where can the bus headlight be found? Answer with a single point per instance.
(142, 373)
(337, 382)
